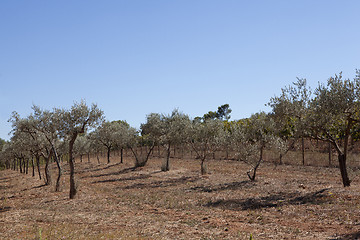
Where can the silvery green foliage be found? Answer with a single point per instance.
(164, 129)
(173, 129)
(81, 145)
(111, 135)
(20, 144)
(78, 119)
(334, 113)
(173, 132)
(205, 138)
(335, 109)
(249, 137)
(153, 129)
(105, 134)
(290, 109)
(28, 129)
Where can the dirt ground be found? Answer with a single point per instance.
(117, 202)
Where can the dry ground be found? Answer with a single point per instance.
(118, 202)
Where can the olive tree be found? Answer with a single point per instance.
(290, 110)
(334, 114)
(122, 136)
(151, 132)
(47, 124)
(73, 122)
(249, 138)
(205, 138)
(31, 129)
(110, 135)
(82, 146)
(173, 131)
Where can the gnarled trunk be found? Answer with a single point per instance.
(343, 170)
(303, 150)
(203, 166)
(254, 169)
(121, 155)
(141, 161)
(73, 189)
(38, 165)
(33, 166)
(166, 164)
(108, 154)
(48, 179)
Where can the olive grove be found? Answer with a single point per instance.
(330, 113)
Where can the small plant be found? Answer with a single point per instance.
(251, 237)
(38, 235)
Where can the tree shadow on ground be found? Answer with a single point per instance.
(5, 187)
(126, 170)
(96, 168)
(5, 179)
(40, 186)
(4, 209)
(350, 236)
(165, 183)
(274, 200)
(226, 186)
(143, 176)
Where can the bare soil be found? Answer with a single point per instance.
(116, 201)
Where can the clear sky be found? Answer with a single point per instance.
(140, 56)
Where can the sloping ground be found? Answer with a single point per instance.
(118, 202)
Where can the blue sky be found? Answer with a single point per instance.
(141, 56)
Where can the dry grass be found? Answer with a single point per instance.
(118, 202)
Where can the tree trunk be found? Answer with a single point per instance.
(58, 180)
(330, 154)
(121, 155)
(108, 154)
(342, 165)
(47, 172)
(140, 161)
(97, 157)
(33, 166)
(38, 165)
(88, 157)
(73, 189)
(58, 183)
(81, 158)
(203, 167)
(20, 165)
(281, 162)
(303, 150)
(165, 167)
(253, 176)
(27, 165)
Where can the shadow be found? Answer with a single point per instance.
(5, 179)
(124, 179)
(274, 200)
(5, 187)
(40, 186)
(226, 186)
(4, 209)
(126, 170)
(351, 236)
(5, 198)
(165, 183)
(96, 168)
